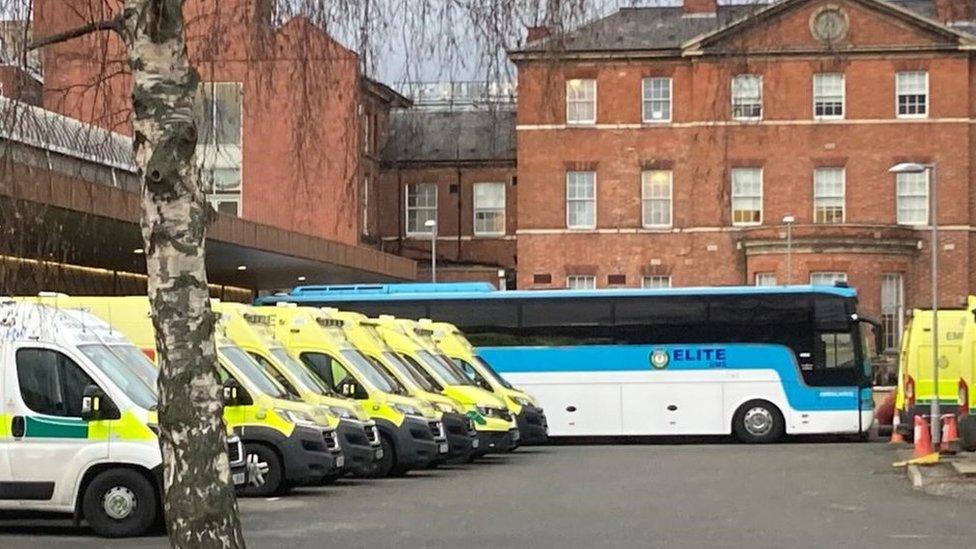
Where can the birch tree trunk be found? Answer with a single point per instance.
(198, 497)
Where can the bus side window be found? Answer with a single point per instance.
(835, 350)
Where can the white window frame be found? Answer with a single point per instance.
(898, 94)
(568, 199)
(733, 197)
(407, 207)
(645, 100)
(646, 281)
(899, 196)
(366, 185)
(835, 276)
(843, 96)
(843, 195)
(581, 122)
(766, 279)
(589, 282)
(893, 318)
(216, 200)
(475, 209)
(645, 199)
(758, 77)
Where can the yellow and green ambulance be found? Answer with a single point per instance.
(251, 330)
(496, 427)
(360, 331)
(411, 433)
(289, 439)
(78, 429)
(530, 417)
(957, 367)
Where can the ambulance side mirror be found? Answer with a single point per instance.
(95, 405)
(234, 394)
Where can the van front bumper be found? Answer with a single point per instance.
(414, 443)
(532, 425)
(311, 454)
(491, 442)
(358, 446)
(462, 439)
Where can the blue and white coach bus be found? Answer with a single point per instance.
(754, 361)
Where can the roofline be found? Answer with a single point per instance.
(772, 9)
(692, 47)
(386, 93)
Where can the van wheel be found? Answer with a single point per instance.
(384, 467)
(967, 433)
(274, 479)
(758, 422)
(120, 503)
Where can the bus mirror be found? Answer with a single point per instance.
(95, 405)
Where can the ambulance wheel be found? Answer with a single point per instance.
(120, 503)
(758, 422)
(384, 467)
(967, 433)
(274, 479)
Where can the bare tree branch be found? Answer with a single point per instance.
(114, 24)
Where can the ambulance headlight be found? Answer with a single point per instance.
(407, 410)
(297, 417)
(340, 412)
(445, 407)
(521, 401)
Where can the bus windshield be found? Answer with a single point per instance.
(446, 371)
(301, 372)
(252, 371)
(380, 379)
(121, 375)
(491, 371)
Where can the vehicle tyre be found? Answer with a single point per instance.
(274, 478)
(758, 422)
(384, 467)
(120, 503)
(967, 433)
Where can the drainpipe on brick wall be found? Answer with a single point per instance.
(460, 206)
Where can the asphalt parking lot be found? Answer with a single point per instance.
(812, 494)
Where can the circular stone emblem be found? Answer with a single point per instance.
(829, 24)
(660, 359)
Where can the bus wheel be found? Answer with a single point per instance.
(120, 503)
(274, 477)
(758, 421)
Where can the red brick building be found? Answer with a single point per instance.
(290, 128)
(679, 145)
(453, 164)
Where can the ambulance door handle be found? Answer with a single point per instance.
(17, 426)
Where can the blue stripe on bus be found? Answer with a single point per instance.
(424, 292)
(638, 358)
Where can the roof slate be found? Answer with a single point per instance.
(423, 135)
(663, 28)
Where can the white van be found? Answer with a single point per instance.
(77, 426)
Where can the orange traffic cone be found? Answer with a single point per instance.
(923, 438)
(896, 437)
(950, 433)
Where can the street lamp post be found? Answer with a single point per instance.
(432, 224)
(929, 169)
(789, 220)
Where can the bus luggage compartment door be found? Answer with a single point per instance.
(579, 409)
(656, 408)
